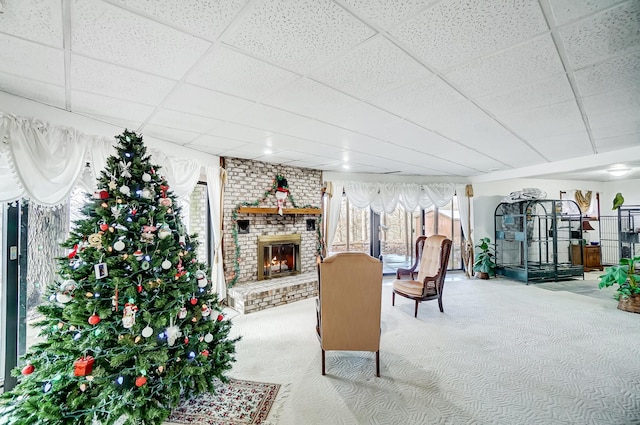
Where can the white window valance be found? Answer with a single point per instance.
(43, 163)
(385, 197)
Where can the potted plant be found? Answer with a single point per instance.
(626, 276)
(484, 262)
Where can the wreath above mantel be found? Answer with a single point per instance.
(278, 186)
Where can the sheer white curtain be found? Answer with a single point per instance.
(385, 197)
(216, 179)
(39, 161)
(332, 212)
(181, 174)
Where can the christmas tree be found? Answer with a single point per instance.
(132, 326)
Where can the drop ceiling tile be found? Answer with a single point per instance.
(204, 18)
(33, 20)
(121, 123)
(214, 144)
(97, 77)
(618, 129)
(246, 151)
(386, 13)
(310, 98)
(419, 98)
(618, 73)
(208, 103)
(361, 117)
(619, 142)
(319, 131)
(619, 117)
(613, 32)
(112, 34)
(89, 103)
(183, 121)
(564, 146)
(504, 71)
(612, 101)
(298, 35)
(569, 10)
(31, 60)
(169, 134)
(561, 118)
(283, 142)
(239, 132)
(267, 118)
(34, 90)
(541, 93)
(456, 31)
(374, 67)
(235, 73)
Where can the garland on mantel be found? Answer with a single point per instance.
(257, 202)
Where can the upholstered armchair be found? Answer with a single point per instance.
(349, 303)
(432, 258)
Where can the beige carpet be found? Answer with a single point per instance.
(502, 353)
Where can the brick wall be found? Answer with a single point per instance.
(247, 181)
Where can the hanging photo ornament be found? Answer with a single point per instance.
(129, 315)
(100, 270)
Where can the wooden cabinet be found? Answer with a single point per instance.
(590, 257)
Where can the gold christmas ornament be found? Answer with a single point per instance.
(95, 240)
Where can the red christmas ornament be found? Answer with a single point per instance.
(193, 301)
(134, 211)
(141, 380)
(139, 288)
(83, 366)
(186, 340)
(73, 252)
(94, 319)
(104, 227)
(205, 353)
(28, 369)
(163, 190)
(220, 317)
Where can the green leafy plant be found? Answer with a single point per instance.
(625, 275)
(484, 261)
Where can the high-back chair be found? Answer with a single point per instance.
(349, 304)
(431, 268)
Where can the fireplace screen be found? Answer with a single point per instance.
(278, 256)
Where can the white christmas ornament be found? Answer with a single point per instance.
(146, 177)
(62, 298)
(118, 246)
(173, 333)
(208, 338)
(164, 232)
(147, 331)
(166, 264)
(129, 315)
(201, 278)
(146, 193)
(124, 189)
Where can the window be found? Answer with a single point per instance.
(354, 228)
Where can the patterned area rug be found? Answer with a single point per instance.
(234, 403)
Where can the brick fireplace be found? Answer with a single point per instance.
(259, 283)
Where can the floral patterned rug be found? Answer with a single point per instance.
(234, 403)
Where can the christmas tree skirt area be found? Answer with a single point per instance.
(235, 403)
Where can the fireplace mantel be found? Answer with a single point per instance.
(289, 211)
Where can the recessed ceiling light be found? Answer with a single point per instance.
(345, 166)
(268, 151)
(618, 172)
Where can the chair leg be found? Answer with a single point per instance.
(393, 299)
(378, 363)
(440, 305)
(416, 313)
(323, 363)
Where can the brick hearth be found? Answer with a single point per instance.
(249, 297)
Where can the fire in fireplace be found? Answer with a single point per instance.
(278, 256)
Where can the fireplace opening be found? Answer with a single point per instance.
(278, 256)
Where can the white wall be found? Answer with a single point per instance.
(630, 189)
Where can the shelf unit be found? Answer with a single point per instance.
(534, 239)
(629, 230)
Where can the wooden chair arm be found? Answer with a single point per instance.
(405, 272)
